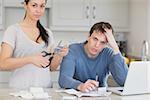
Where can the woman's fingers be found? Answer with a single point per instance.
(64, 51)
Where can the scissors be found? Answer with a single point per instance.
(51, 55)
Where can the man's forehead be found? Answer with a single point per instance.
(98, 33)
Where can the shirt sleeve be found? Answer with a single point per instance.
(67, 71)
(118, 69)
(10, 36)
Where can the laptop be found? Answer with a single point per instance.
(137, 81)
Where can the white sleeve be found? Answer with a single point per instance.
(10, 36)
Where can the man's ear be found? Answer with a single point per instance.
(88, 37)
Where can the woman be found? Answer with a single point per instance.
(22, 46)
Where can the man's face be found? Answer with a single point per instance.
(96, 42)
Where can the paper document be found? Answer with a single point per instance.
(33, 93)
(101, 92)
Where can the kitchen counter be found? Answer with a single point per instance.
(4, 95)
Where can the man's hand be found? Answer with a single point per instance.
(111, 40)
(88, 86)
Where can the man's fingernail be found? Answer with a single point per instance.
(86, 90)
(91, 89)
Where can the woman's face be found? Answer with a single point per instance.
(35, 9)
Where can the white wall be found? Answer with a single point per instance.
(139, 26)
(1, 35)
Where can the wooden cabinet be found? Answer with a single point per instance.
(70, 13)
(113, 11)
(19, 3)
(81, 14)
(15, 7)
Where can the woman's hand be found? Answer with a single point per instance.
(64, 51)
(39, 60)
(58, 56)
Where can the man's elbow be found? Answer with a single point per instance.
(122, 78)
(121, 82)
(60, 82)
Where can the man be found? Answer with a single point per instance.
(96, 57)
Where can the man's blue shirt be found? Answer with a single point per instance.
(77, 67)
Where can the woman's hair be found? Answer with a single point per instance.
(27, 1)
(43, 33)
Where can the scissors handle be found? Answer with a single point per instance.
(50, 60)
(46, 53)
(45, 66)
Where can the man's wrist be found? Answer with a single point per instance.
(79, 86)
(116, 50)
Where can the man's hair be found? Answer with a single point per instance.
(99, 27)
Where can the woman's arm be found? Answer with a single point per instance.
(7, 62)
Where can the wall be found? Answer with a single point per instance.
(138, 26)
(1, 36)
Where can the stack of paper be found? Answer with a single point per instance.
(101, 92)
(33, 93)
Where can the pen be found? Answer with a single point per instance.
(96, 79)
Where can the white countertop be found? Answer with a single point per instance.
(4, 95)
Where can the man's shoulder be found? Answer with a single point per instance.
(75, 48)
(75, 45)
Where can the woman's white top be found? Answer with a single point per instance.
(28, 75)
